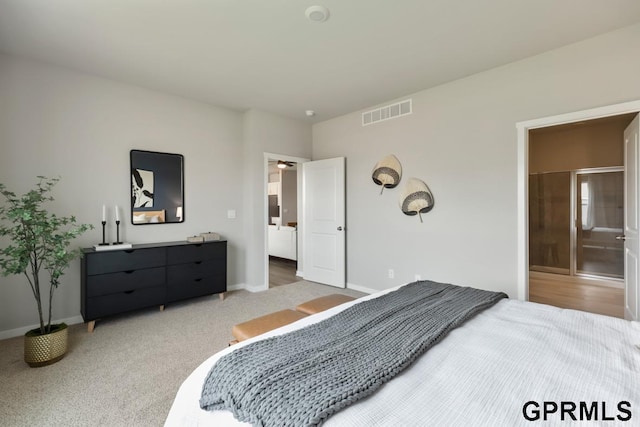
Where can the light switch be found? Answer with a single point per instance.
(231, 214)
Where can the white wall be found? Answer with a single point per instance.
(289, 190)
(461, 140)
(57, 122)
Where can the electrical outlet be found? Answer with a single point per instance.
(391, 273)
(417, 277)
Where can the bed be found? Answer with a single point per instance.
(511, 364)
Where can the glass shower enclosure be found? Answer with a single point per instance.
(576, 222)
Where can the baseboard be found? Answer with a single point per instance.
(255, 288)
(23, 330)
(362, 288)
(300, 274)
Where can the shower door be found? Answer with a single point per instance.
(576, 222)
(550, 248)
(600, 223)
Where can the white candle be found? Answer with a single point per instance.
(117, 215)
(104, 213)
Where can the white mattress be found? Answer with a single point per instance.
(482, 373)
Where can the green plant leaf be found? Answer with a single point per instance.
(38, 238)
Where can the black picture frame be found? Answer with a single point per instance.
(157, 187)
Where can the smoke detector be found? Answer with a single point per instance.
(317, 13)
(310, 113)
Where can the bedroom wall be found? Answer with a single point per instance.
(461, 140)
(57, 122)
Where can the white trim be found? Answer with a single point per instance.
(265, 213)
(254, 289)
(362, 288)
(523, 167)
(300, 274)
(23, 330)
(236, 287)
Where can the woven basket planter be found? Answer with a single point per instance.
(42, 350)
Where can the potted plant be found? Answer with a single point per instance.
(38, 242)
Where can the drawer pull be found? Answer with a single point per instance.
(129, 292)
(198, 262)
(198, 280)
(129, 251)
(129, 271)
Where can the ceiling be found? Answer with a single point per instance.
(244, 54)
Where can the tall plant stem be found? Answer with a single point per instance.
(35, 271)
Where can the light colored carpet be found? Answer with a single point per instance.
(128, 371)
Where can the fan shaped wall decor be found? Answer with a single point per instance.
(387, 172)
(416, 198)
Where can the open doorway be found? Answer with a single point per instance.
(576, 215)
(283, 242)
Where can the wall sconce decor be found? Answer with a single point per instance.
(387, 172)
(416, 198)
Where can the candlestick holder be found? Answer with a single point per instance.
(104, 243)
(117, 242)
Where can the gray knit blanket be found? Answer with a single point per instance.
(303, 377)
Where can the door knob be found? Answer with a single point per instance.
(339, 228)
(620, 237)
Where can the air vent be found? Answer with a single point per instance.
(391, 111)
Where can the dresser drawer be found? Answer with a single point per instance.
(196, 287)
(97, 307)
(196, 252)
(125, 260)
(113, 283)
(194, 270)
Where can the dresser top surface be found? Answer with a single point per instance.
(154, 245)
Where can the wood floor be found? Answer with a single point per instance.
(564, 293)
(282, 271)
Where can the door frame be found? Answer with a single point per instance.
(523, 173)
(265, 211)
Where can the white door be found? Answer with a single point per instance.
(323, 221)
(631, 220)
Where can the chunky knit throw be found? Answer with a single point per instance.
(303, 377)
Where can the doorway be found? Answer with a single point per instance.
(576, 214)
(283, 201)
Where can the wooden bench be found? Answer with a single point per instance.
(323, 303)
(266, 323)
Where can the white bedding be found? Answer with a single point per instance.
(483, 372)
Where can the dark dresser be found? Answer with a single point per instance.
(117, 281)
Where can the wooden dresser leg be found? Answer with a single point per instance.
(162, 307)
(91, 325)
(221, 296)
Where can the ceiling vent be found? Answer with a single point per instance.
(391, 111)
